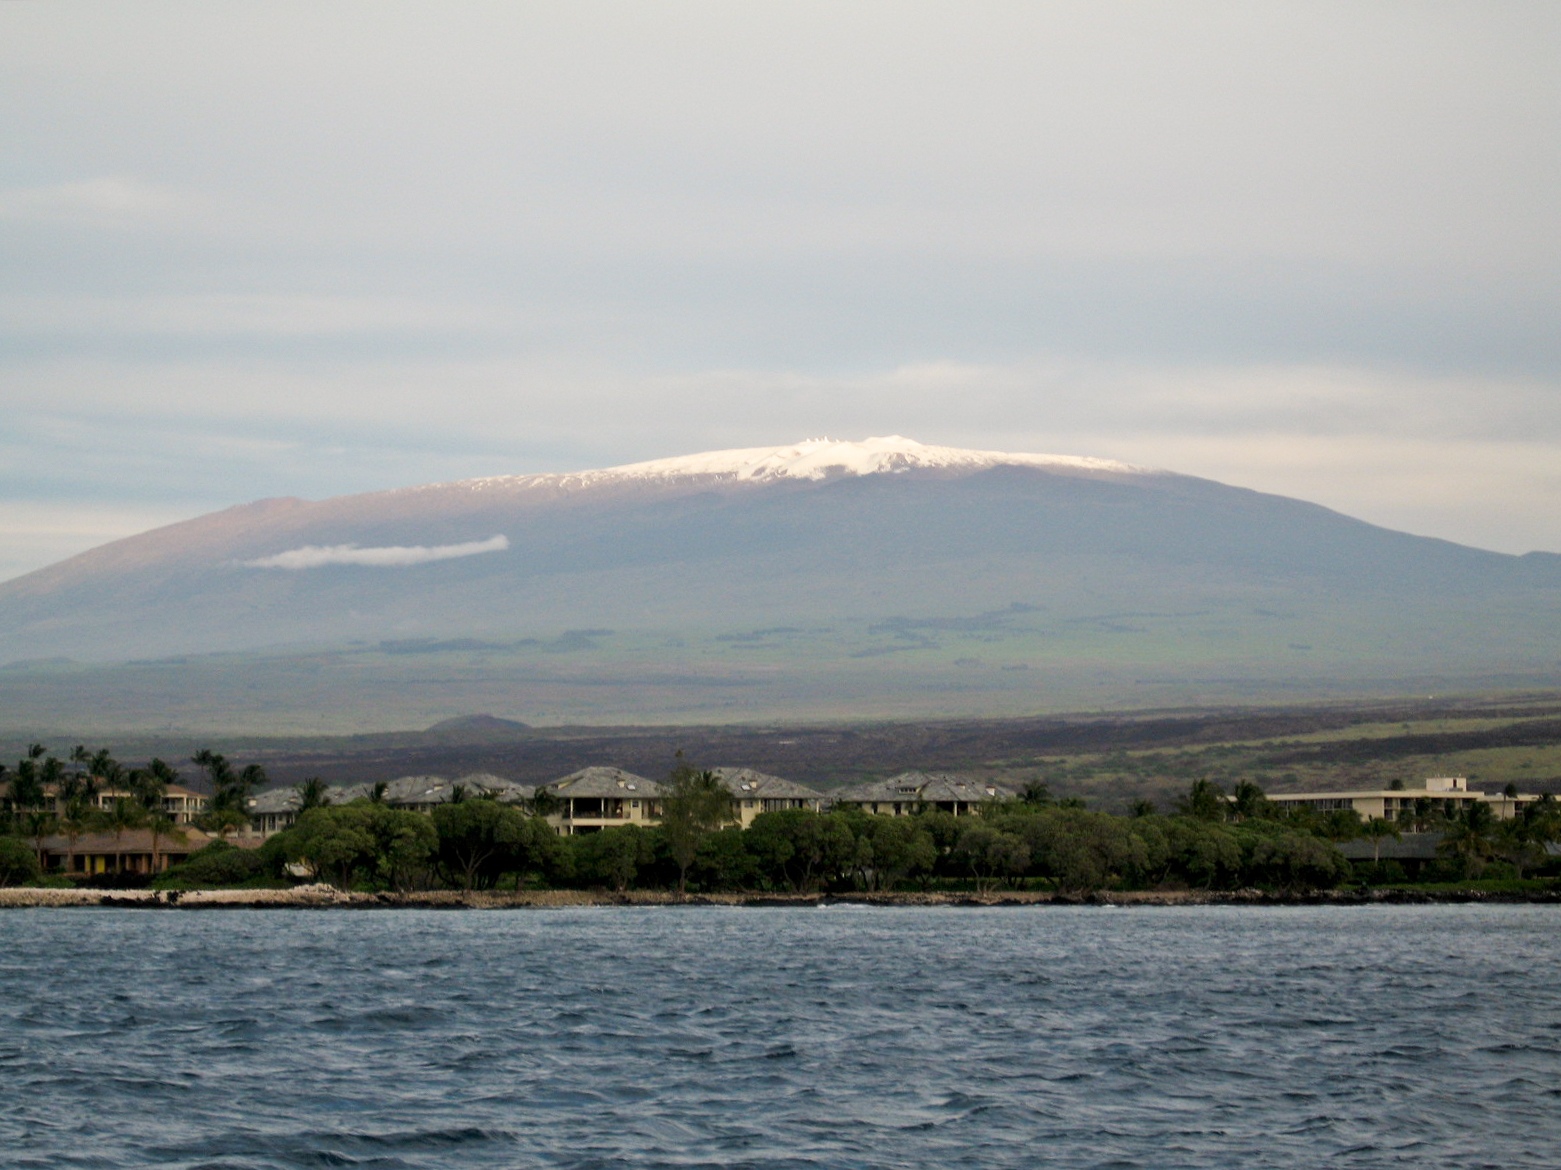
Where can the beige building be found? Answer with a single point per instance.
(602, 798)
(181, 804)
(1450, 794)
(759, 792)
(912, 792)
(277, 808)
(133, 851)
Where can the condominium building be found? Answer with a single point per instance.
(1450, 794)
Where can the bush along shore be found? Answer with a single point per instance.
(1214, 847)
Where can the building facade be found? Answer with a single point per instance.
(1444, 794)
(913, 792)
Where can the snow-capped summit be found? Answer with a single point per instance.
(824, 458)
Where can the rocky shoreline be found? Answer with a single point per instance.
(320, 897)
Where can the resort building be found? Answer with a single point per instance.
(182, 805)
(277, 809)
(133, 851)
(912, 792)
(599, 798)
(1449, 794)
(759, 792)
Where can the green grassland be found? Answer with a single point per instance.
(1013, 661)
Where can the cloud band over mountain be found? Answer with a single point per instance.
(393, 556)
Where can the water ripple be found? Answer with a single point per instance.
(774, 1039)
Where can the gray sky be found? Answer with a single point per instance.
(311, 248)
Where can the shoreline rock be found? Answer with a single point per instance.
(322, 897)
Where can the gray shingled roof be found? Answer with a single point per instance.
(930, 787)
(402, 790)
(274, 800)
(603, 782)
(748, 784)
(1408, 847)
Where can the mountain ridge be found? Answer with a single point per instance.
(879, 558)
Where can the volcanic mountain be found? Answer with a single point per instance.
(915, 566)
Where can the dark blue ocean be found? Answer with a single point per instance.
(836, 1037)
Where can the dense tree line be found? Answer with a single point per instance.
(1210, 840)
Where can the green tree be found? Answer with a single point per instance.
(221, 863)
(694, 804)
(1202, 854)
(149, 787)
(613, 856)
(405, 844)
(1035, 793)
(26, 793)
(124, 813)
(228, 807)
(723, 861)
(1521, 842)
(1205, 801)
(1375, 830)
(799, 848)
(312, 793)
(337, 843)
(896, 848)
(479, 841)
(1467, 839)
(1293, 862)
(18, 863)
(1248, 801)
(991, 855)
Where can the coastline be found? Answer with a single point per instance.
(326, 898)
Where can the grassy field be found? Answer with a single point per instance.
(1012, 662)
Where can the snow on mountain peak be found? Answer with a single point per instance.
(822, 458)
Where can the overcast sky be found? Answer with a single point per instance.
(309, 248)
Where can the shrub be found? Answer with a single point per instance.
(219, 864)
(18, 862)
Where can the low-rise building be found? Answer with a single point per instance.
(599, 798)
(181, 805)
(758, 792)
(913, 792)
(133, 851)
(1448, 794)
(277, 808)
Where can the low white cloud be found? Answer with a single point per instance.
(393, 556)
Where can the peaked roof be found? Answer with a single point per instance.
(603, 782)
(185, 840)
(928, 787)
(749, 784)
(402, 790)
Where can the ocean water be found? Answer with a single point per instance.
(835, 1037)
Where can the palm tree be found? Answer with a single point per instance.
(312, 793)
(1374, 830)
(1468, 838)
(26, 792)
(1248, 800)
(219, 773)
(77, 818)
(1205, 801)
(162, 825)
(124, 813)
(149, 786)
(229, 807)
